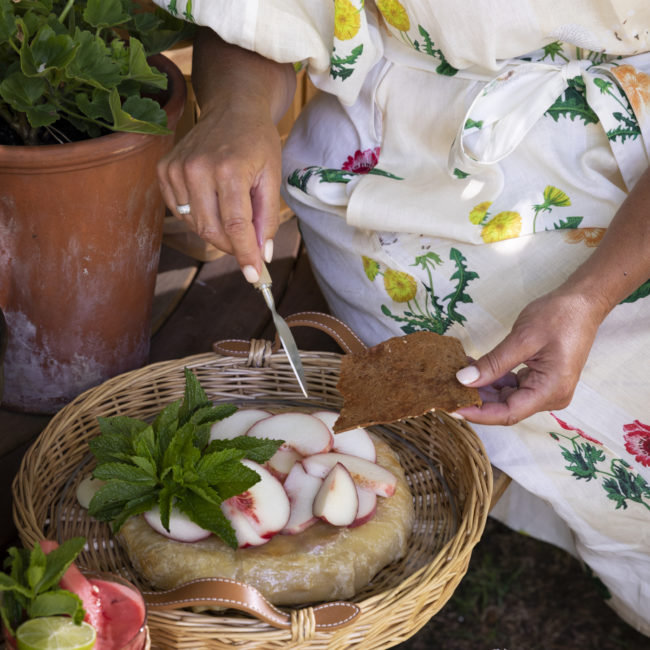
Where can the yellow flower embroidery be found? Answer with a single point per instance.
(637, 88)
(400, 286)
(347, 20)
(479, 211)
(504, 225)
(394, 14)
(556, 197)
(370, 267)
(590, 236)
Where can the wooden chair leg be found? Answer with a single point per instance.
(500, 483)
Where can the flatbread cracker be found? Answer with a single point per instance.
(402, 377)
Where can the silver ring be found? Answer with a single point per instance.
(183, 209)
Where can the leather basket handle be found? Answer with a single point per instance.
(346, 338)
(224, 592)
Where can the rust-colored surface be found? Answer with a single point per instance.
(80, 235)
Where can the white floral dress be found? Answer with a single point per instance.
(463, 159)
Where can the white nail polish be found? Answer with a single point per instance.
(250, 273)
(467, 375)
(268, 251)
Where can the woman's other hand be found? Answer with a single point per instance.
(223, 177)
(553, 335)
(538, 365)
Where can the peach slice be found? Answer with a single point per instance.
(281, 463)
(301, 488)
(181, 527)
(264, 507)
(237, 424)
(356, 442)
(336, 501)
(365, 473)
(300, 431)
(367, 506)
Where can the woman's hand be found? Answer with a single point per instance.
(227, 169)
(553, 335)
(551, 338)
(223, 177)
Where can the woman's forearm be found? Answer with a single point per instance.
(225, 76)
(621, 263)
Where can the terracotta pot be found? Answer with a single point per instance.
(80, 235)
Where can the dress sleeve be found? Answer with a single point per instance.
(339, 41)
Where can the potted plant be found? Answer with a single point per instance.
(87, 108)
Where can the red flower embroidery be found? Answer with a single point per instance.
(637, 441)
(568, 427)
(362, 161)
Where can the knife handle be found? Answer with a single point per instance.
(265, 278)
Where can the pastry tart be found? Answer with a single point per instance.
(321, 563)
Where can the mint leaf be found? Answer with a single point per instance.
(56, 603)
(170, 464)
(257, 449)
(207, 516)
(194, 397)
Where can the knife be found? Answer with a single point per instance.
(286, 337)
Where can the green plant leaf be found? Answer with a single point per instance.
(139, 115)
(95, 105)
(105, 13)
(139, 70)
(8, 28)
(93, 63)
(48, 51)
(22, 92)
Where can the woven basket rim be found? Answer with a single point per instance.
(452, 556)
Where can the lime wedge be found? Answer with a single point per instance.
(55, 633)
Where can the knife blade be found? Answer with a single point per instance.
(284, 332)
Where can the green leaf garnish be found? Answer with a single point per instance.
(170, 464)
(30, 589)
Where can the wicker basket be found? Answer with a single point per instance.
(444, 461)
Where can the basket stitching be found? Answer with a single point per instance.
(333, 332)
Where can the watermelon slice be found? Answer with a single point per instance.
(123, 616)
(115, 610)
(75, 581)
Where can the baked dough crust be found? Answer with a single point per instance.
(320, 564)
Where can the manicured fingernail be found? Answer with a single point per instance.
(268, 251)
(250, 273)
(467, 375)
(457, 416)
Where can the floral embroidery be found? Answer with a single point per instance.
(637, 441)
(187, 14)
(394, 14)
(590, 236)
(568, 427)
(362, 161)
(478, 212)
(552, 198)
(343, 66)
(434, 315)
(637, 88)
(445, 68)
(504, 225)
(572, 104)
(628, 126)
(347, 20)
(370, 267)
(586, 461)
(400, 286)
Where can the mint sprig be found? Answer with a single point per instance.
(170, 463)
(30, 587)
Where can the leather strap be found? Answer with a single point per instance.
(348, 341)
(224, 592)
